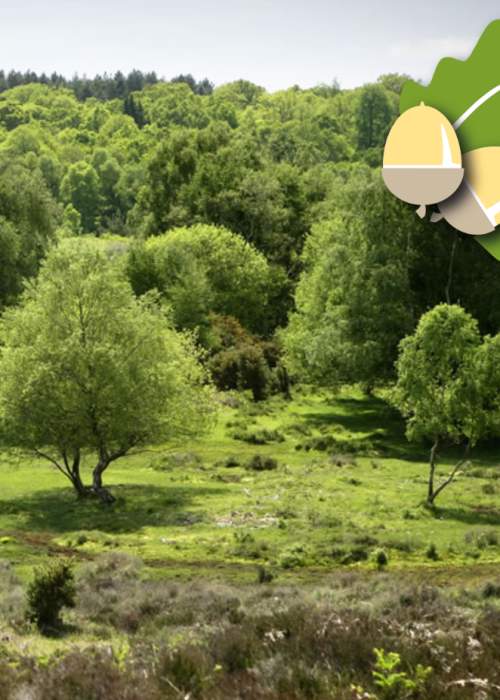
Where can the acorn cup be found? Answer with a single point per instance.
(422, 158)
(475, 207)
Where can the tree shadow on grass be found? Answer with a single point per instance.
(378, 422)
(475, 515)
(137, 506)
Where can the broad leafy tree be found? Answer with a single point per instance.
(439, 391)
(81, 188)
(28, 218)
(202, 269)
(88, 370)
(353, 301)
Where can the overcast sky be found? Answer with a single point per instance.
(273, 43)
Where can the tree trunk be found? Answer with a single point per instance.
(82, 491)
(449, 282)
(72, 471)
(284, 380)
(97, 487)
(432, 493)
(432, 470)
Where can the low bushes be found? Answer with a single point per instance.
(213, 642)
(261, 463)
(51, 590)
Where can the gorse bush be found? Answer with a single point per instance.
(51, 590)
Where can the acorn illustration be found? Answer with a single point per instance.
(422, 158)
(475, 207)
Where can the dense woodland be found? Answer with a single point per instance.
(293, 173)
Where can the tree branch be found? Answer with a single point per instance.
(56, 464)
(452, 475)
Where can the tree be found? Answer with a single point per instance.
(438, 390)
(134, 109)
(374, 116)
(393, 81)
(200, 269)
(354, 301)
(88, 369)
(81, 188)
(487, 375)
(27, 226)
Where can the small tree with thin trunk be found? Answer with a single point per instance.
(87, 368)
(438, 389)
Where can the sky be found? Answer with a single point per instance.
(276, 44)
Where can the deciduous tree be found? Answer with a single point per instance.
(87, 369)
(438, 390)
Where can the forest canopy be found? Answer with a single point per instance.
(266, 209)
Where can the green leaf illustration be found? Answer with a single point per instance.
(468, 94)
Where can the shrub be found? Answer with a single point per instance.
(481, 540)
(292, 557)
(408, 515)
(261, 463)
(258, 436)
(235, 648)
(367, 540)
(90, 674)
(264, 575)
(381, 558)
(231, 461)
(491, 590)
(487, 539)
(394, 683)
(341, 444)
(239, 360)
(355, 555)
(431, 552)
(247, 547)
(188, 668)
(51, 590)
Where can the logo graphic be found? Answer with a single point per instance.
(444, 149)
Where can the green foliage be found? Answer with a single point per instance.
(431, 552)
(240, 360)
(376, 112)
(80, 188)
(203, 269)
(261, 463)
(394, 684)
(51, 590)
(381, 558)
(27, 226)
(86, 366)
(354, 299)
(436, 389)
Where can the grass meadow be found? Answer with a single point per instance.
(221, 561)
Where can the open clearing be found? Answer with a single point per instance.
(347, 484)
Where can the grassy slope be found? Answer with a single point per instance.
(302, 520)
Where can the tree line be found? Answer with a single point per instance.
(102, 87)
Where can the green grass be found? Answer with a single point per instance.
(304, 520)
